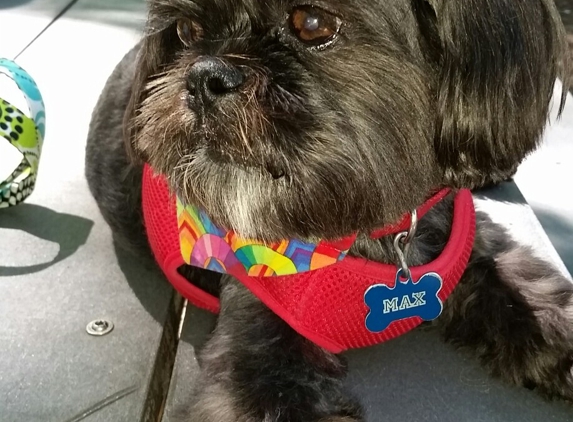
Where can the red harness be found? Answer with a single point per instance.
(326, 305)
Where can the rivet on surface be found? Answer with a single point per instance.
(99, 327)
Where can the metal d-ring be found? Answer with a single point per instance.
(402, 243)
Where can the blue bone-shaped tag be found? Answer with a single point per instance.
(406, 299)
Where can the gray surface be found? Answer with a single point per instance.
(416, 377)
(51, 370)
(124, 13)
(22, 20)
(545, 179)
(59, 268)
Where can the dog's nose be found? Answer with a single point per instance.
(211, 78)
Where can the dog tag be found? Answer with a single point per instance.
(405, 300)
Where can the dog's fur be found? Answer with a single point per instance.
(317, 143)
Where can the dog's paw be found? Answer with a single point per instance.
(217, 404)
(536, 341)
(516, 313)
(558, 382)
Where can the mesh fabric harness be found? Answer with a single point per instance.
(324, 305)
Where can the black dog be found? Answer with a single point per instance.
(316, 119)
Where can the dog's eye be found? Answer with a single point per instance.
(188, 31)
(314, 26)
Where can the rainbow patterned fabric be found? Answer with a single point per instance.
(205, 245)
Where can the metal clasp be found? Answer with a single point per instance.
(402, 243)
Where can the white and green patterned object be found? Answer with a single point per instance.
(25, 133)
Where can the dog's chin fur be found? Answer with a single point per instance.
(412, 96)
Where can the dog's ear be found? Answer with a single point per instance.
(496, 62)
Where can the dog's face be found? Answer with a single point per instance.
(323, 117)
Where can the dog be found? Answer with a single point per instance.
(316, 119)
